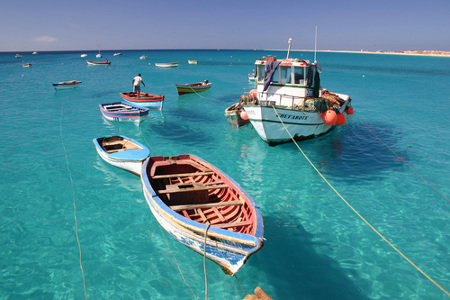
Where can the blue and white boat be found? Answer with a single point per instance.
(123, 112)
(203, 208)
(122, 152)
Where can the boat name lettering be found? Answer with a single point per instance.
(292, 117)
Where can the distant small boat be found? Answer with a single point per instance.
(123, 112)
(66, 84)
(83, 55)
(117, 54)
(203, 208)
(98, 55)
(193, 87)
(98, 63)
(18, 55)
(168, 65)
(233, 115)
(143, 57)
(251, 77)
(144, 99)
(192, 62)
(122, 152)
(26, 65)
(34, 52)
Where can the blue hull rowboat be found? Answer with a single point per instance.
(192, 199)
(123, 112)
(144, 99)
(122, 152)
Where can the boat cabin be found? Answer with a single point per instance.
(286, 81)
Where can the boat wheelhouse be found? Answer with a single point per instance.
(289, 103)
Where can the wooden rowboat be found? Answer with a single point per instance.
(233, 115)
(122, 152)
(66, 84)
(192, 62)
(98, 63)
(122, 112)
(193, 87)
(167, 65)
(192, 199)
(27, 65)
(144, 99)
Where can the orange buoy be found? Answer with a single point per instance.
(244, 115)
(341, 118)
(329, 117)
(253, 93)
(350, 110)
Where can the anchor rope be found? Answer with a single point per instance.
(204, 262)
(358, 214)
(403, 160)
(73, 202)
(176, 262)
(240, 285)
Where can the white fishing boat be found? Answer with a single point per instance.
(18, 55)
(143, 57)
(167, 65)
(289, 101)
(34, 52)
(83, 55)
(117, 54)
(192, 62)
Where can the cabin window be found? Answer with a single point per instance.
(299, 75)
(261, 70)
(286, 77)
(275, 76)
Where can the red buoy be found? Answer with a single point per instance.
(350, 110)
(244, 115)
(253, 93)
(341, 118)
(329, 117)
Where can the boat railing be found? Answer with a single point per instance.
(271, 99)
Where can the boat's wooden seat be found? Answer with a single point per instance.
(182, 175)
(192, 187)
(206, 205)
(230, 225)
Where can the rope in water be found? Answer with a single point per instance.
(403, 160)
(358, 214)
(74, 203)
(204, 262)
(176, 262)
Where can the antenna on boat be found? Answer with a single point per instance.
(315, 47)
(289, 49)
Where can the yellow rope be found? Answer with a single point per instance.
(73, 203)
(358, 214)
(403, 160)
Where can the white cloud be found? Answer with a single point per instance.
(45, 39)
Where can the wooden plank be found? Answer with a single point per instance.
(183, 175)
(195, 187)
(222, 219)
(206, 205)
(230, 225)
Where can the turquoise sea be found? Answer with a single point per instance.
(69, 222)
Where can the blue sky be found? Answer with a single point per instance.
(246, 24)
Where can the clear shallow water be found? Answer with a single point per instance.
(316, 247)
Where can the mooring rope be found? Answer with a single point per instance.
(74, 202)
(176, 262)
(240, 285)
(403, 160)
(204, 263)
(358, 214)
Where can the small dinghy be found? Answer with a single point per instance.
(66, 84)
(193, 87)
(234, 114)
(144, 99)
(203, 208)
(98, 63)
(122, 152)
(168, 65)
(123, 112)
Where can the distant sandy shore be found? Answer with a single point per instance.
(407, 52)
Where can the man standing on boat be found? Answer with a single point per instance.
(137, 84)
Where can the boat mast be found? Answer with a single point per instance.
(289, 49)
(315, 47)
